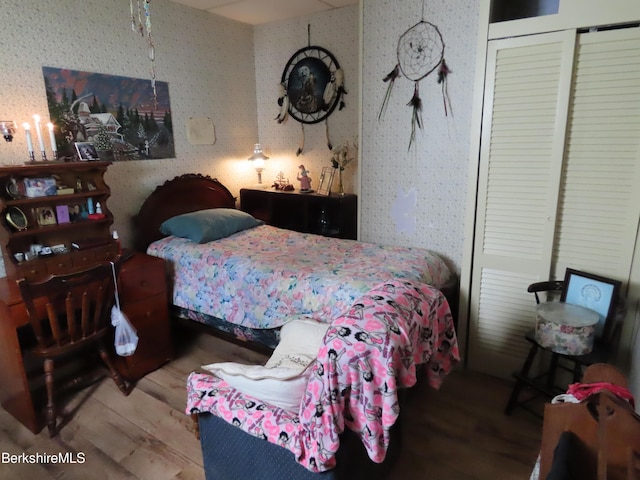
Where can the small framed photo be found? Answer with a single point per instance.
(75, 212)
(87, 151)
(593, 292)
(45, 216)
(326, 180)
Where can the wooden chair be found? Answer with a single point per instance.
(70, 315)
(544, 384)
(605, 440)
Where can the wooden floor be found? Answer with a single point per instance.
(456, 433)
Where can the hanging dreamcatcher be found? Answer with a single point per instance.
(144, 9)
(311, 88)
(420, 52)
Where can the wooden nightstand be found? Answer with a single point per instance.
(144, 300)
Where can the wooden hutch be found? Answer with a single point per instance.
(54, 220)
(51, 224)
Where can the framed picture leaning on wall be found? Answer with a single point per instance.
(326, 180)
(593, 292)
(87, 151)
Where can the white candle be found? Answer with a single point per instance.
(36, 118)
(27, 132)
(52, 137)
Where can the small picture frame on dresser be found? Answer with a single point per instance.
(76, 212)
(326, 180)
(45, 216)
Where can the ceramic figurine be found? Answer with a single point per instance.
(304, 179)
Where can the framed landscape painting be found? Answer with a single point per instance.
(124, 118)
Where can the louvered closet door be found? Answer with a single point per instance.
(524, 121)
(600, 196)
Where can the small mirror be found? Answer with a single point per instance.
(16, 218)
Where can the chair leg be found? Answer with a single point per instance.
(577, 372)
(551, 376)
(113, 373)
(524, 373)
(51, 408)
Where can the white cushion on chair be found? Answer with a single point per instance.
(282, 381)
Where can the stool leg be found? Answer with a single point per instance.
(524, 372)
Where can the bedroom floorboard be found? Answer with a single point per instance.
(456, 433)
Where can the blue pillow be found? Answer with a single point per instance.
(207, 225)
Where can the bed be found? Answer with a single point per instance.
(250, 283)
(384, 311)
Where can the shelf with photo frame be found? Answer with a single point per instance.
(60, 220)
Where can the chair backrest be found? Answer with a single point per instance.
(551, 286)
(68, 310)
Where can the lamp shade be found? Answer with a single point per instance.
(257, 153)
(258, 158)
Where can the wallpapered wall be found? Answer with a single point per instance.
(229, 71)
(275, 43)
(417, 197)
(208, 62)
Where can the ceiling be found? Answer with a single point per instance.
(258, 12)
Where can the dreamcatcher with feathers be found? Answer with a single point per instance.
(311, 88)
(420, 52)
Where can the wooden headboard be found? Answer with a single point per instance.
(184, 194)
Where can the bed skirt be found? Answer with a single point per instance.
(229, 453)
(248, 337)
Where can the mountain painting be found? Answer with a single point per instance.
(123, 117)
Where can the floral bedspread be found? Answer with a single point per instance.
(260, 277)
(368, 353)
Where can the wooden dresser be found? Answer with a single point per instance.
(331, 216)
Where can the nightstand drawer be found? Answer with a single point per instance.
(140, 283)
(148, 313)
(150, 318)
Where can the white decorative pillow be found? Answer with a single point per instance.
(300, 340)
(282, 381)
